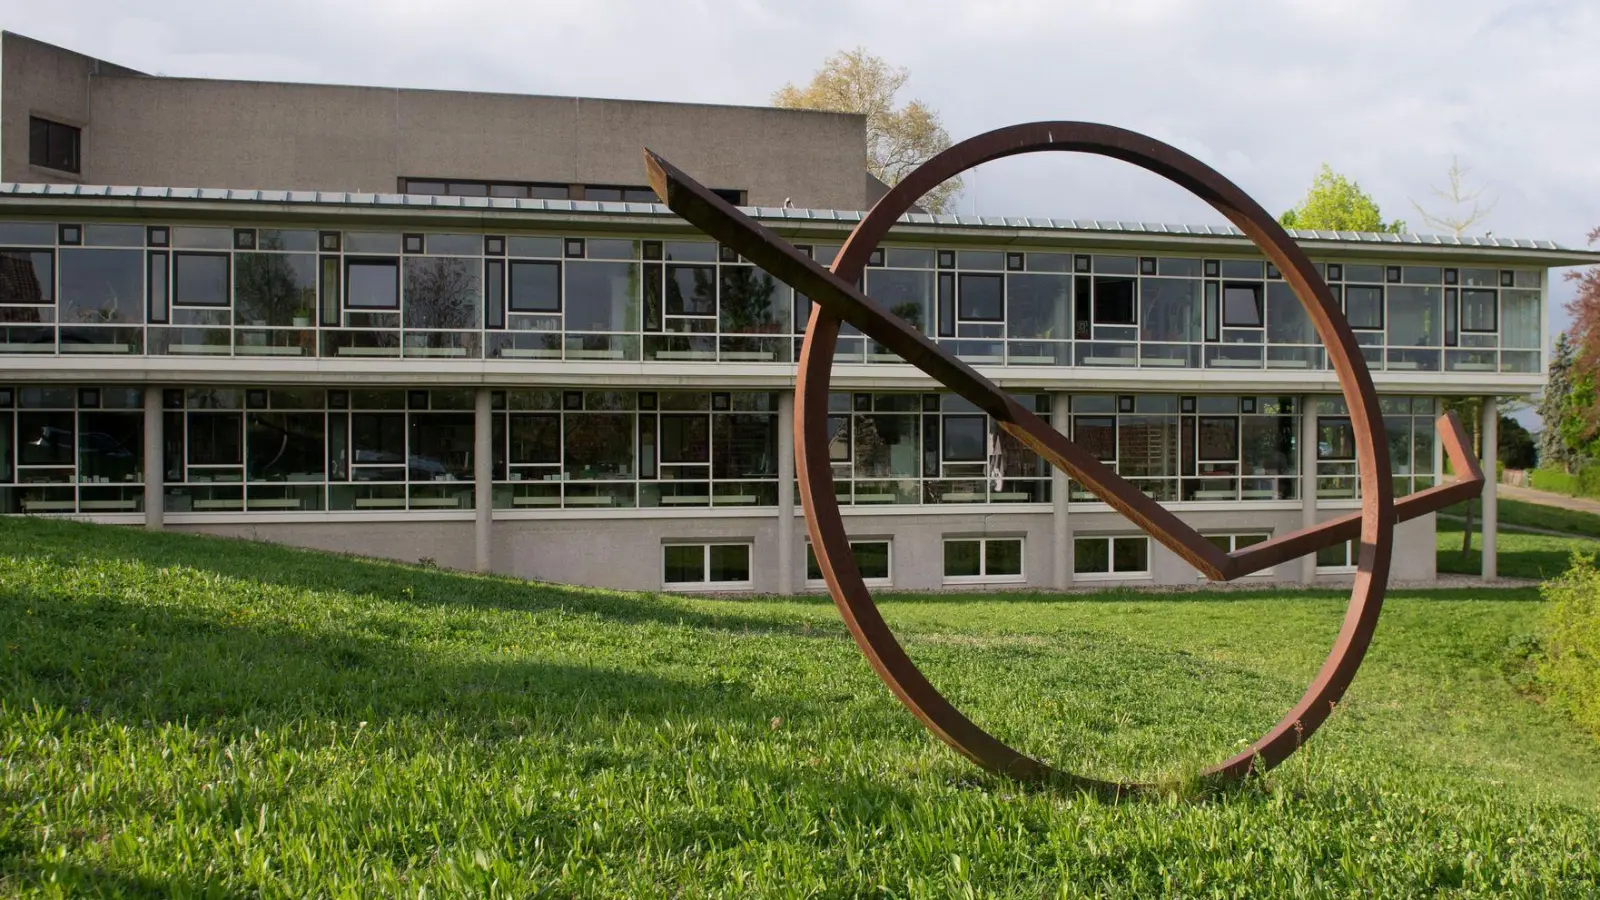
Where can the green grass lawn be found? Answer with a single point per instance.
(183, 716)
(1534, 515)
(1520, 555)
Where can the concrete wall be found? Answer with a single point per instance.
(235, 134)
(40, 79)
(625, 553)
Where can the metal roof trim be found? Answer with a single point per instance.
(766, 213)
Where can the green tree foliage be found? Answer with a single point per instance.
(1580, 426)
(1337, 203)
(898, 140)
(1553, 450)
(1517, 450)
(1570, 669)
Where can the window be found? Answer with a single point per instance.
(965, 438)
(200, 279)
(1338, 558)
(54, 145)
(1241, 305)
(27, 277)
(1479, 310)
(1107, 556)
(872, 558)
(705, 565)
(372, 283)
(1363, 307)
(535, 286)
(982, 559)
(1114, 301)
(981, 298)
(1229, 543)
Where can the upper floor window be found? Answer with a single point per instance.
(54, 145)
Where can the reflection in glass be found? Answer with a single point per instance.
(102, 287)
(274, 288)
(443, 292)
(1170, 310)
(602, 296)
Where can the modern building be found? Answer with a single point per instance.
(439, 326)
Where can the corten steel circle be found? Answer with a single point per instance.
(835, 298)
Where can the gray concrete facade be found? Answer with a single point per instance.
(147, 130)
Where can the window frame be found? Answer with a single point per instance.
(52, 132)
(177, 257)
(886, 581)
(983, 576)
(1494, 308)
(511, 284)
(705, 584)
(1257, 290)
(392, 262)
(1111, 573)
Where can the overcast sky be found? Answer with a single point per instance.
(1385, 91)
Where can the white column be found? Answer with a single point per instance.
(1060, 528)
(786, 573)
(483, 479)
(1491, 479)
(154, 465)
(1438, 444)
(1308, 480)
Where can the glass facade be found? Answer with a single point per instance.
(176, 290)
(79, 448)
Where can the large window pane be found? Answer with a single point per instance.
(685, 439)
(373, 284)
(110, 446)
(1415, 316)
(1364, 306)
(963, 559)
(599, 446)
(753, 302)
(691, 290)
(1520, 312)
(536, 439)
(285, 447)
(1170, 309)
(1147, 446)
(981, 297)
(45, 438)
(744, 446)
(378, 442)
(1002, 557)
(27, 277)
(102, 286)
(274, 288)
(729, 563)
(602, 296)
(1241, 305)
(441, 447)
(200, 279)
(684, 563)
(535, 286)
(214, 439)
(1267, 445)
(907, 293)
(886, 445)
(1038, 306)
(443, 292)
(965, 438)
(1287, 320)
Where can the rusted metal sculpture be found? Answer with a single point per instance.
(836, 299)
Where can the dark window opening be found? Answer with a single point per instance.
(1241, 305)
(54, 145)
(1114, 301)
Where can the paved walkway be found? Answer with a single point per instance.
(1526, 529)
(1545, 498)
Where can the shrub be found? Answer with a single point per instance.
(1585, 483)
(1570, 669)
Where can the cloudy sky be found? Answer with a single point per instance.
(1386, 91)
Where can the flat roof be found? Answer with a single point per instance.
(350, 201)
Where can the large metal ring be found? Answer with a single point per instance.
(835, 298)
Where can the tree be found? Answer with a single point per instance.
(1583, 417)
(1553, 450)
(1516, 446)
(898, 140)
(1335, 203)
(1465, 207)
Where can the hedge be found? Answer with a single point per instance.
(1586, 483)
(1570, 668)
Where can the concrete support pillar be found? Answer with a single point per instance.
(154, 466)
(1438, 445)
(1308, 480)
(1060, 528)
(786, 573)
(483, 479)
(1491, 479)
